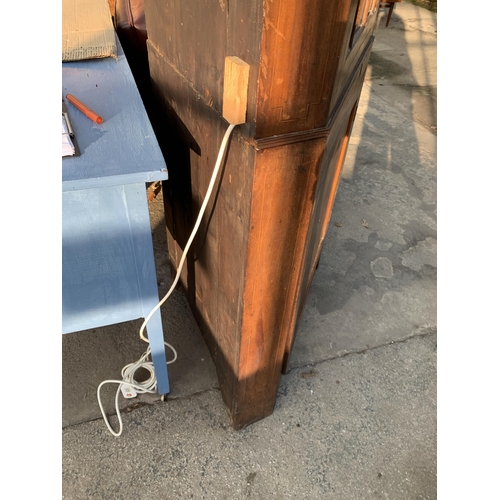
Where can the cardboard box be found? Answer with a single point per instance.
(87, 30)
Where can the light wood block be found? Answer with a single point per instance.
(234, 104)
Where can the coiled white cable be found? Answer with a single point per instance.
(128, 371)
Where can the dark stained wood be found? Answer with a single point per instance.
(283, 189)
(300, 56)
(251, 265)
(328, 179)
(390, 5)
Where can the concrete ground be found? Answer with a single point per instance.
(356, 416)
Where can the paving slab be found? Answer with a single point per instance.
(357, 427)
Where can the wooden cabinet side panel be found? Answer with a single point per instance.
(352, 52)
(329, 176)
(194, 37)
(214, 274)
(282, 199)
(191, 37)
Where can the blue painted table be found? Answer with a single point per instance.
(108, 269)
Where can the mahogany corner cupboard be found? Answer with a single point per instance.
(250, 267)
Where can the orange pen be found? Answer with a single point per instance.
(86, 111)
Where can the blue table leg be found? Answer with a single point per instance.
(155, 335)
(146, 272)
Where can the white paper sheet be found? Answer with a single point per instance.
(68, 148)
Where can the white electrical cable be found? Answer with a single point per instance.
(128, 381)
(150, 385)
(195, 229)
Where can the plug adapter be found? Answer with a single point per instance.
(128, 391)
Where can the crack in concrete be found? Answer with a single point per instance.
(198, 393)
(427, 331)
